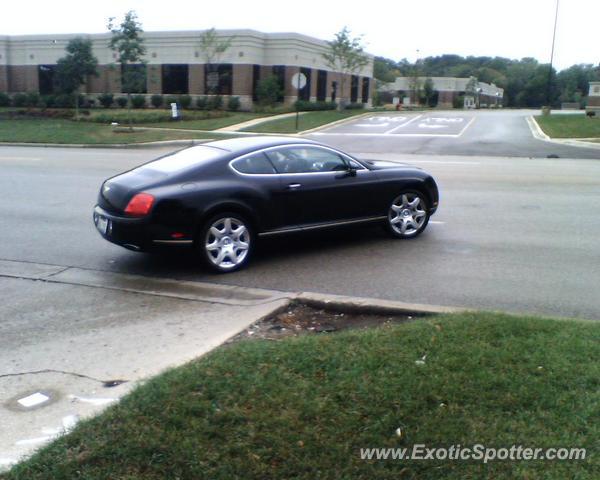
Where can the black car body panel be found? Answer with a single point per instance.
(190, 185)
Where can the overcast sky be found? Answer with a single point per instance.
(395, 29)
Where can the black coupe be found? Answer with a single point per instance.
(220, 196)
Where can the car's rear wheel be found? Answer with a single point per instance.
(408, 215)
(226, 242)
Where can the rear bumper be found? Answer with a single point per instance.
(138, 234)
(131, 233)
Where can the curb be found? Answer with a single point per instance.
(211, 292)
(376, 306)
(336, 123)
(162, 143)
(539, 134)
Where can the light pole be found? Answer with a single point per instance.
(549, 86)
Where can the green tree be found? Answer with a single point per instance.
(213, 49)
(73, 69)
(268, 91)
(128, 44)
(428, 91)
(346, 56)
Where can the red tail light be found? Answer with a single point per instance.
(139, 205)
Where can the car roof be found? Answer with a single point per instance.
(248, 144)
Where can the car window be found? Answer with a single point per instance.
(306, 160)
(256, 164)
(187, 158)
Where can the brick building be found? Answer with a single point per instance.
(448, 89)
(176, 65)
(594, 97)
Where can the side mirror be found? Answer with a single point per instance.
(351, 171)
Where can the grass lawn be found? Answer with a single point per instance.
(67, 131)
(303, 407)
(307, 121)
(569, 126)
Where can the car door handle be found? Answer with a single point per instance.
(294, 186)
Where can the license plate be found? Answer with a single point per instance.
(102, 225)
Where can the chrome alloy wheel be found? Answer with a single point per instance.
(227, 243)
(407, 215)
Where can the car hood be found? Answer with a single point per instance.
(384, 165)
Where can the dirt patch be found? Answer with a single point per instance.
(299, 319)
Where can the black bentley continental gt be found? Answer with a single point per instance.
(221, 196)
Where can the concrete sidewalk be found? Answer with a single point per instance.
(250, 123)
(69, 337)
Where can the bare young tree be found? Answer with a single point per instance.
(213, 49)
(346, 56)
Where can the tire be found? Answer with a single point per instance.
(225, 242)
(408, 215)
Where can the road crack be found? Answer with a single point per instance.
(105, 383)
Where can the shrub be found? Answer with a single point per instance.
(268, 90)
(185, 101)
(215, 103)
(233, 104)
(4, 100)
(64, 101)
(138, 101)
(19, 100)
(156, 101)
(48, 100)
(202, 103)
(171, 99)
(355, 106)
(306, 106)
(458, 101)
(122, 102)
(106, 99)
(32, 99)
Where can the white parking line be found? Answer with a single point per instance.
(467, 126)
(436, 222)
(403, 125)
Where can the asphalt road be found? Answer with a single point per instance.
(511, 234)
(478, 133)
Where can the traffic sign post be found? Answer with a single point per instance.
(298, 81)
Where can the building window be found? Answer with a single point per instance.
(365, 90)
(354, 89)
(133, 78)
(304, 93)
(255, 80)
(279, 73)
(321, 85)
(46, 79)
(218, 79)
(175, 79)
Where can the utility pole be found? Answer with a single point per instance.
(549, 86)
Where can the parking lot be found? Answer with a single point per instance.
(497, 133)
(412, 125)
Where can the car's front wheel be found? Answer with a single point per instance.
(408, 215)
(226, 242)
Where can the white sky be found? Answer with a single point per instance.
(394, 29)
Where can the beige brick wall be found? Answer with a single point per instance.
(23, 78)
(154, 79)
(242, 80)
(3, 78)
(196, 79)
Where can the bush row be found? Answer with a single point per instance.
(306, 106)
(108, 100)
